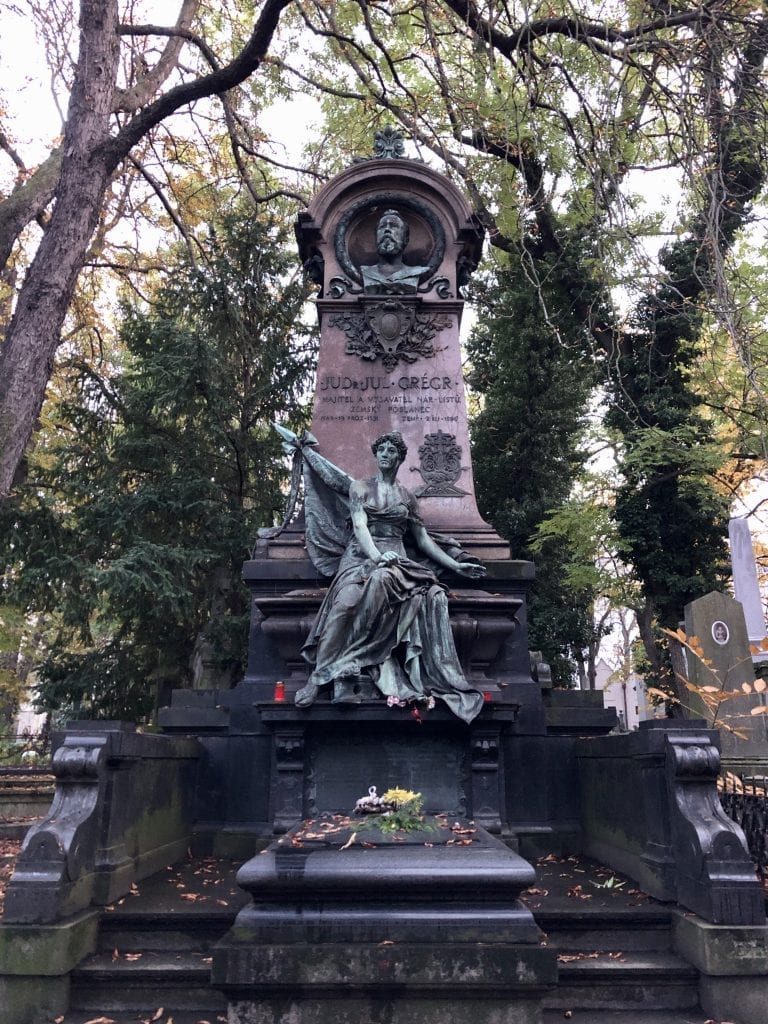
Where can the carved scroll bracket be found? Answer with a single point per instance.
(715, 876)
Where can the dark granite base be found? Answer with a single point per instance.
(419, 928)
(397, 984)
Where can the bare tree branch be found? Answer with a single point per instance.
(138, 95)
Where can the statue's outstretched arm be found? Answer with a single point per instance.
(329, 473)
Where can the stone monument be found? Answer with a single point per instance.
(388, 649)
(390, 243)
(717, 621)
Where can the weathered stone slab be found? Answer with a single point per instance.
(122, 809)
(727, 950)
(745, 585)
(35, 961)
(717, 621)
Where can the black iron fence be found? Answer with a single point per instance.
(745, 800)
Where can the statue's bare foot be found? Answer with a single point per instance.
(306, 695)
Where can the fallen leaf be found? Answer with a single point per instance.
(159, 1013)
(349, 842)
(115, 954)
(222, 903)
(100, 1020)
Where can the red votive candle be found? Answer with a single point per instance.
(279, 694)
(487, 696)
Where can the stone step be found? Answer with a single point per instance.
(168, 1016)
(139, 1016)
(178, 981)
(605, 1017)
(641, 982)
(626, 930)
(16, 828)
(153, 932)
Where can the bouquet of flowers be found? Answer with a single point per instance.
(396, 810)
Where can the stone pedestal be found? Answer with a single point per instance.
(323, 757)
(420, 930)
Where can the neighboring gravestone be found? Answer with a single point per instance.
(745, 584)
(717, 622)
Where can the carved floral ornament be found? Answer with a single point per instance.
(388, 144)
(390, 331)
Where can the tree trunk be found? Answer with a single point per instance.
(27, 202)
(90, 155)
(26, 357)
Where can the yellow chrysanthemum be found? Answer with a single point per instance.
(400, 796)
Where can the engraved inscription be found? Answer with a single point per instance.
(431, 399)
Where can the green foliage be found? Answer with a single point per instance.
(141, 507)
(13, 646)
(535, 383)
(543, 130)
(671, 517)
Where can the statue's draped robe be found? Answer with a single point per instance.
(389, 623)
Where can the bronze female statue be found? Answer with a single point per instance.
(385, 615)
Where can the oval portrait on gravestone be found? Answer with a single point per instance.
(720, 632)
(356, 242)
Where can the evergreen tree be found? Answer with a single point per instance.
(535, 383)
(134, 523)
(671, 515)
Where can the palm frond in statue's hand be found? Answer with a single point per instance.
(292, 442)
